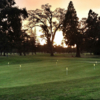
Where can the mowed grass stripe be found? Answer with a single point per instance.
(75, 89)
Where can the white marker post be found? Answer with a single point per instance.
(94, 66)
(96, 62)
(66, 70)
(8, 63)
(20, 67)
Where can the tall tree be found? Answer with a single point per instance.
(11, 25)
(17, 34)
(93, 32)
(71, 31)
(49, 21)
(4, 40)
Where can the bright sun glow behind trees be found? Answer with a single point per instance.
(57, 41)
(58, 37)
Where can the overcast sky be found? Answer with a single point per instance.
(82, 6)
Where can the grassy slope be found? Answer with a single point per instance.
(41, 79)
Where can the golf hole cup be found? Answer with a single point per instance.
(66, 70)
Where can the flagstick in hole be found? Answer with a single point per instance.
(94, 66)
(56, 62)
(20, 67)
(66, 70)
(8, 63)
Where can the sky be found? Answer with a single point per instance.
(82, 7)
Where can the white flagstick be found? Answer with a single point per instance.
(20, 67)
(66, 70)
(56, 62)
(8, 63)
(94, 66)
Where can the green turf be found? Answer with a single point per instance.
(41, 78)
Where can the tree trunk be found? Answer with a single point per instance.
(4, 54)
(20, 53)
(24, 53)
(35, 52)
(52, 53)
(77, 50)
(32, 52)
(1, 53)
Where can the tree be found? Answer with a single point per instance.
(6, 3)
(93, 32)
(83, 28)
(4, 43)
(25, 43)
(49, 21)
(17, 33)
(33, 38)
(11, 25)
(33, 41)
(71, 29)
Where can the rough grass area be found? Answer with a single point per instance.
(42, 77)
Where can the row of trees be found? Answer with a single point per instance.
(56, 49)
(85, 33)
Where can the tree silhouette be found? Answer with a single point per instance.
(49, 21)
(93, 32)
(10, 23)
(33, 41)
(4, 26)
(71, 29)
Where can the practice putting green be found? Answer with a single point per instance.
(42, 77)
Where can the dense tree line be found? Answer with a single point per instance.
(12, 37)
(57, 49)
(85, 33)
(82, 33)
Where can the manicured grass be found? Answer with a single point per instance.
(41, 78)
